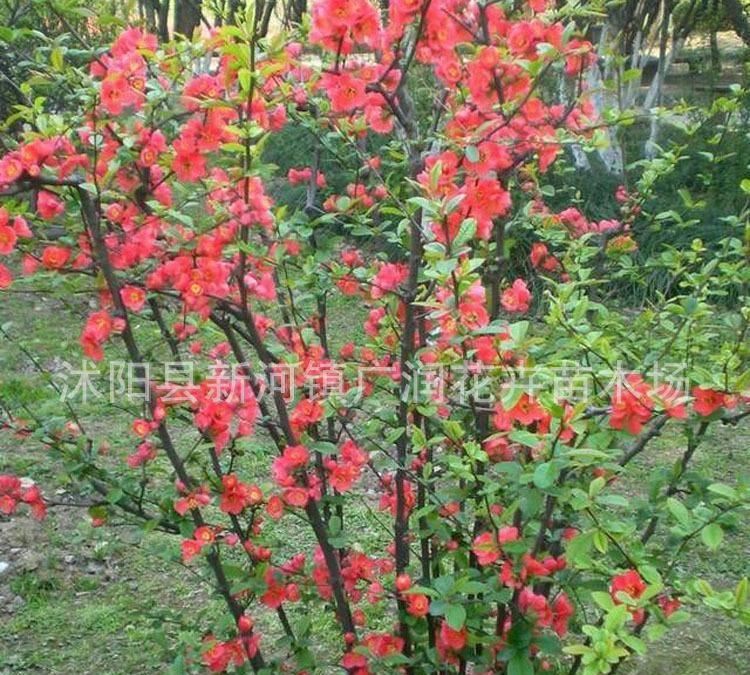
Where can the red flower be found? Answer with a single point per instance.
(403, 582)
(221, 655)
(21, 228)
(275, 593)
(48, 205)
(8, 239)
(344, 473)
(237, 496)
(487, 546)
(389, 277)
(98, 328)
(522, 38)
(417, 604)
(631, 405)
(205, 535)
(527, 411)
(542, 259)
(671, 400)
(631, 584)
(707, 401)
(296, 497)
(6, 278)
(535, 607)
(473, 315)
(114, 93)
(275, 507)
(188, 163)
(668, 605)
(143, 454)
(142, 427)
(55, 257)
(133, 298)
(346, 91)
(189, 549)
(517, 298)
(562, 610)
(339, 24)
(307, 413)
(11, 169)
(388, 498)
(245, 623)
(580, 55)
(382, 645)
(193, 500)
(450, 639)
(353, 662)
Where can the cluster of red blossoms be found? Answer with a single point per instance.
(218, 655)
(496, 123)
(628, 587)
(15, 491)
(635, 402)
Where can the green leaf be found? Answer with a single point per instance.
(424, 590)
(604, 600)
(577, 650)
(520, 664)
(712, 535)
(596, 486)
(244, 76)
(455, 615)
(577, 549)
(679, 511)
(545, 475)
(616, 618)
(443, 584)
(472, 154)
(635, 643)
(518, 331)
(741, 593)
(114, 495)
(56, 59)
(466, 232)
(473, 587)
(723, 490)
(323, 447)
(549, 644)
(524, 437)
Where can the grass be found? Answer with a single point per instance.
(707, 644)
(76, 622)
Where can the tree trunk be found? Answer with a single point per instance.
(163, 14)
(297, 9)
(187, 16)
(655, 92)
(266, 10)
(715, 54)
(149, 10)
(231, 14)
(738, 17)
(602, 98)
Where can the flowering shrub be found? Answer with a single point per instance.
(504, 541)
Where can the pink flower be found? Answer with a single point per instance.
(133, 298)
(517, 298)
(48, 205)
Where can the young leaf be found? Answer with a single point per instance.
(712, 535)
